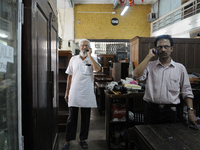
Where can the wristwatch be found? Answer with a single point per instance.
(190, 109)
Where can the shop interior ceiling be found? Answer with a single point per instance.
(70, 3)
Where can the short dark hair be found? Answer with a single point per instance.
(164, 37)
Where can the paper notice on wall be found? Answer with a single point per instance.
(6, 55)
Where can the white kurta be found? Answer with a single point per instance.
(81, 93)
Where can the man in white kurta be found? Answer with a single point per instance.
(80, 93)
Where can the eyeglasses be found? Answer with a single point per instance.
(85, 46)
(165, 47)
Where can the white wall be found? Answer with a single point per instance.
(166, 6)
(66, 27)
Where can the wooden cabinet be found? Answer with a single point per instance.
(105, 58)
(186, 51)
(118, 118)
(100, 96)
(64, 57)
(120, 71)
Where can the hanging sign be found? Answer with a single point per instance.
(114, 21)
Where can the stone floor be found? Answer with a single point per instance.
(97, 134)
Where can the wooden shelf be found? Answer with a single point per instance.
(64, 57)
(125, 100)
(62, 68)
(63, 113)
(61, 94)
(62, 81)
(118, 121)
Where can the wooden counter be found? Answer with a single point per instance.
(175, 136)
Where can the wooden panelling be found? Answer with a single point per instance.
(186, 51)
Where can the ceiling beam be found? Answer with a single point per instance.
(70, 3)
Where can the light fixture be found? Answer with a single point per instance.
(3, 35)
(124, 10)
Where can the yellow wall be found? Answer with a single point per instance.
(98, 25)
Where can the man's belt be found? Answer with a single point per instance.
(162, 106)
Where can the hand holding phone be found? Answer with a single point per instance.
(89, 50)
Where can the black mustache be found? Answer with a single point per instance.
(85, 49)
(163, 53)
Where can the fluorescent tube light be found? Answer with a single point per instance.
(124, 10)
(3, 35)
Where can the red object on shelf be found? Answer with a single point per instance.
(142, 0)
(118, 112)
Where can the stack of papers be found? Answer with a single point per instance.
(132, 86)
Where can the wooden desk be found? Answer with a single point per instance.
(175, 136)
(100, 96)
(103, 79)
(99, 74)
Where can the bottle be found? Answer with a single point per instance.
(130, 69)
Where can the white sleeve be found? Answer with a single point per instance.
(69, 69)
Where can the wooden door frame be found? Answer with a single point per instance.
(29, 70)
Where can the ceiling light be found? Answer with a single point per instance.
(3, 35)
(124, 10)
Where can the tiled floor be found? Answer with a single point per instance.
(97, 134)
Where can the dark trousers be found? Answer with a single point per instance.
(158, 114)
(72, 123)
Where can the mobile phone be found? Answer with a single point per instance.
(155, 52)
(87, 50)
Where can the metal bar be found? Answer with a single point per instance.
(115, 4)
(19, 80)
(70, 3)
(161, 22)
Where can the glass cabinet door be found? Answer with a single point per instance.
(9, 67)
